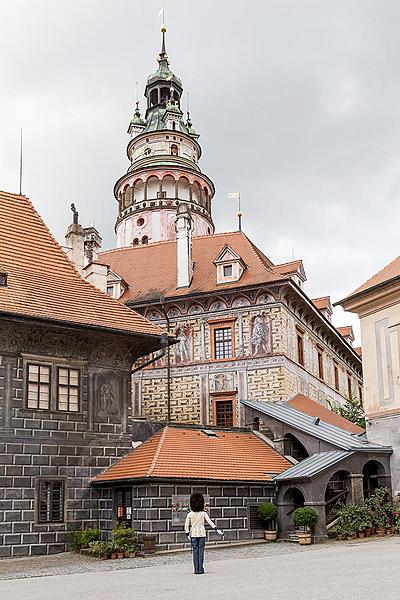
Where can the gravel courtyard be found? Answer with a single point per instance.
(348, 570)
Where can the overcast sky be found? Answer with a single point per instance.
(297, 103)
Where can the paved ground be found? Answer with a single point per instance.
(337, 571)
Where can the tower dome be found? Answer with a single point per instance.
(164, 152)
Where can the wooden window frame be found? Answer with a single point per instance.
(300, 346)
(336, 376)
(52, 481)
(224, 397)
(349, 386)
(69, 386)
(39, 383)
(321, 371)
(228, 323)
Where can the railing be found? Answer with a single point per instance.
(332, 504)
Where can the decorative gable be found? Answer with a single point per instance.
(116, 286)
(229, 265)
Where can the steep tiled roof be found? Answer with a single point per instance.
(358, 350)
(291, 268)
(185, 453)
(42, 282)
(314, 409)
(391, 271)
(151, 270)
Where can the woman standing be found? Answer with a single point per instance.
(196, 532)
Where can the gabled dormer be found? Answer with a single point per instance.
(229, 265)
(116, 286)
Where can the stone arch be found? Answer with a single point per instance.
(168, 186)
(173, 311)
(218, 304)
(196, 192)
(372, 473)
(264, 298)
(184, 189)
(293, 447)
(154, 315)
(293, 497)
(336, 492)
(138, 190)
(195, 309)
(152, 187)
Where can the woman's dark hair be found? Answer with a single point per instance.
(197, 502)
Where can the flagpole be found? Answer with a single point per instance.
(20, 165)
(239, 214)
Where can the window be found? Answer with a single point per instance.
(140, 221)
(38, 395)
(336, 375)
(349, 390)
(68, 389)
(174, 148)
(135, 242)
(360, 395)
(228, 270)
(110, 290)
(254, 518)
(224, 413)
(223, 343)
(123, 504)
(51, 501)
(145, 239)
(3, 278)
(320, 363)
(300, 348)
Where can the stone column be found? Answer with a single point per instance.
(356, 490)
(319, 534)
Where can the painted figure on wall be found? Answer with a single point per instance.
(108, 405)
(183, 350)
(260, 335)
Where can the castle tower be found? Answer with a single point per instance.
(164, 152)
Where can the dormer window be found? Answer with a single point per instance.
(3, 278)
(228, 270)
(229, 265)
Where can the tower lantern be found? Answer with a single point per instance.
(164, 152)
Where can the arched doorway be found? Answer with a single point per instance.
(293, 498)
(337, 491)
(372, 470)
(293, 447)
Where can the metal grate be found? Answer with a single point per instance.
(51, 501)
(254, 519)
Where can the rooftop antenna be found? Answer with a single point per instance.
(20, 165)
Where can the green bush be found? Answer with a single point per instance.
(125, 538)
(267, 511)
(90, 535)
(76, 540)
(380, 507)
(99, 548)
(353, 518)
(304, 517)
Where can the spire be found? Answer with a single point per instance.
(163, 56)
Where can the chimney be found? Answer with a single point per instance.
(92, 244)
(183, 225)
(74, 241)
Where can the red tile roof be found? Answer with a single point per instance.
(390, 271)
(346, 331)
(158, 262)
(42, 282)
(314, 409)
(358, 350)
(323, 303)
(291, 268)
(186, 453)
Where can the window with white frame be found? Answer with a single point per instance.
(68, 389)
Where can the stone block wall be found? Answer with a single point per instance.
(229, 509)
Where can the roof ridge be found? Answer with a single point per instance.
(157, 452)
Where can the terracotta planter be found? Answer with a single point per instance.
(104, 557)
(270, 535)
(120, 554)
(353, 536)
(114, 555)
(381, 532)
(389, 531)
(361, 534)
(304, 539)
(368, 532)
(339, 537)
(373, 530)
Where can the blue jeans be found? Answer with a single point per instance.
(198, 544)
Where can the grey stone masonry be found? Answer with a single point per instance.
(71, 446)
(229, 508)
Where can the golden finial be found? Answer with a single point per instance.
(163, 29)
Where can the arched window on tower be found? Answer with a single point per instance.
(173, 125)
(154, 98)
(164, 95)
(174, 149)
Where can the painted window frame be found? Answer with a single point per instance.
(218, 324)
(69, 386)
(40, 481)
(300, 346)
(39, 383)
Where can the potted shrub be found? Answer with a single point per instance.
(99, 549)
(306, 518)
(125, 540)
(77, 541)
(90, 535)
(268, 514)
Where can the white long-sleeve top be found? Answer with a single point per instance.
(194, 524)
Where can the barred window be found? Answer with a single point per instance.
(51, 501)
(68, 389)
(223, 343)
(38, 395)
